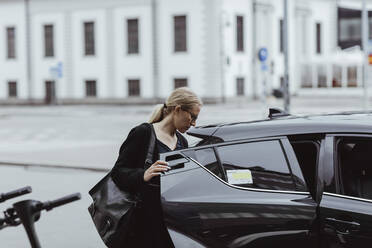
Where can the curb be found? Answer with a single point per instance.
(54, 166)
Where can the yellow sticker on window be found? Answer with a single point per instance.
(239, 176)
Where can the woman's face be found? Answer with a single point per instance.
(185, 118)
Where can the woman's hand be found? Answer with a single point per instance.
(155, 170)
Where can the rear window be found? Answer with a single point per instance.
(256, 165)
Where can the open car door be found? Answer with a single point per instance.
(203, 210)
(345, 210)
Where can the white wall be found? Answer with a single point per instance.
(12, 14)
(240, 61)
(212, 58)
(89, 67)
(110, 66)
(189, 64)
(133, 66)
(40, 64)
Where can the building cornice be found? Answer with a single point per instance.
(40, 6)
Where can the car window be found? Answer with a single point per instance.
(207, 158)
(355, 167)
(256, 165)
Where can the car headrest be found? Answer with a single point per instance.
(362, 154)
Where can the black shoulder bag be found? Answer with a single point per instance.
(112, 209)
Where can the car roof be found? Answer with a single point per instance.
(346, 122)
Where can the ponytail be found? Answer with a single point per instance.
(157, 114)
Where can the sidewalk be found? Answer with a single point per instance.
(90, 136)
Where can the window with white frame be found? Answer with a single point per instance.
(12, 89)
(48, 40)
(240, 86)
(134, 87)
(180, 82)
(10, 39)
(91, 88)
(132, 36)
(180, 33)
(240, 33)
(318, 38)
(89, 43)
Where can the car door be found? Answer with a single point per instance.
(345, 210)
(243, 194)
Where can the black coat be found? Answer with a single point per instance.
(150, 231)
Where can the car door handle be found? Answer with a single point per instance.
(176, 161)
(347, 226)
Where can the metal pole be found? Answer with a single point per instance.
(222, 54)
(155, 58)
(28, 49)
(365, 52)
(254, 52)
(285, 43)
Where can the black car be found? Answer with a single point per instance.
(281, 182)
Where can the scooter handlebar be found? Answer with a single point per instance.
(15, 193)
(49, 205)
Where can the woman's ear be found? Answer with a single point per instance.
(177, 108)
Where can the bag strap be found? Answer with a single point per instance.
(150, 151)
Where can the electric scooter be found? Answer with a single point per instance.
(28, 212)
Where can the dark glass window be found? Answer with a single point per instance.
(256, 165)
(48, 41)
(91, 88)
(10, 35)
(132, 34)
(180, 34)
(133, 87)
(50, 92)
(355, 165)
(350, 27)
(207, 158)
(281, 35)
(89, 38)
(306, 76)
(240, 86)
(322, 76)
(352, 76)
(337, 76)
(180, 82)
(318, 38)
(240, 33)
(12, 89)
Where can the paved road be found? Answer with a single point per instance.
(90, 136)
(66, 226)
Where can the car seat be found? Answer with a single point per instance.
(357, 174)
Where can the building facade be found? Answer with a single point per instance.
(80, 51)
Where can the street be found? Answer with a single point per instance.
(89, 137)
(65, 226)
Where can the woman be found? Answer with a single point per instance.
(176, 115)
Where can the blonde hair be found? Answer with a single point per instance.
(181, 96)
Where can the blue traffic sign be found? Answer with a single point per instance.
(262, 54)
(56, 71)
